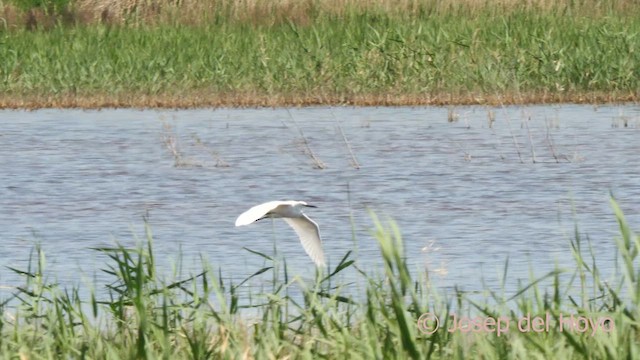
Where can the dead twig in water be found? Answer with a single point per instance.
(499, 147)
(354, 161)
(214, 154)
(533, 151)
(467, 155)
(549, 139)
(491, 116)
(515, 141)
(171, 143)
(317, 163)
(452, 115)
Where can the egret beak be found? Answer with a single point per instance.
(311, 206)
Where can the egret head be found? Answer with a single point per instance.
(307, 205)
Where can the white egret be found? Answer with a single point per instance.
(291, 212)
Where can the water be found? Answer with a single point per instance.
(465, 194)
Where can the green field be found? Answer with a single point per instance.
(201, 53)
(570, 313)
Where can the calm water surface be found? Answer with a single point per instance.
(466, 194)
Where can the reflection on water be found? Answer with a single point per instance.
(466, 193)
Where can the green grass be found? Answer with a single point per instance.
(516, 56)
(203, 316)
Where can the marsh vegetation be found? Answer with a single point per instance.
(200, 53)
(145, 314)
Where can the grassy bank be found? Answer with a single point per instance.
(197, 53)
(203, 316)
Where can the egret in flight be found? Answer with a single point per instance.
(291, 212)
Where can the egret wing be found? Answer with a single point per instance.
(255, 213)
(309, 235)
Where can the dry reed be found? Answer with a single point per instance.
(300, 12)
(206, 99)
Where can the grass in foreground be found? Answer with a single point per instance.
(203, 316)
(279, 53)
